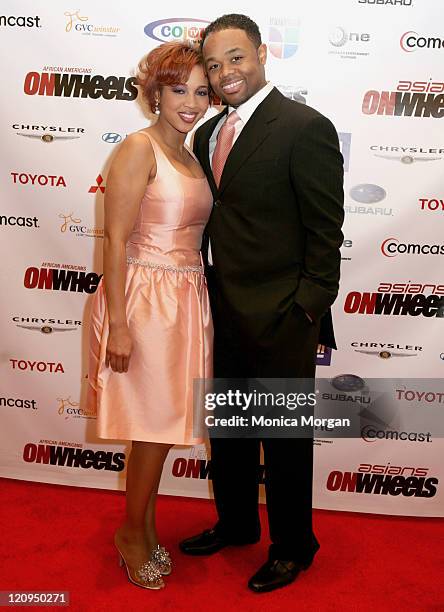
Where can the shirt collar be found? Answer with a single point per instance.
(246, 109)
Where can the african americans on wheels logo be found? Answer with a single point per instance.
(61, 277)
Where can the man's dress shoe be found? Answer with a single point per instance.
(206, 543)
(275, 574)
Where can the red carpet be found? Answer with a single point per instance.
(60, 538)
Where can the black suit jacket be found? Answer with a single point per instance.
(275, 228)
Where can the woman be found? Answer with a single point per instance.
(151, 329)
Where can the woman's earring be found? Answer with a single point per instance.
(157, 106)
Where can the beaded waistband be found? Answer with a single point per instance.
(168, 267)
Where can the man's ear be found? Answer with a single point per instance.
(262, 53)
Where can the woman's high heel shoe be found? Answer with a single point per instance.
(161, 557)
(146, 576)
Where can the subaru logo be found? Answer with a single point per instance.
(111, 137)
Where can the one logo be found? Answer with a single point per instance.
(370, 434)
(111, 137)
(178, 28)
(283, 37)
(98, 187)
(347, 244)
(391, 247)
(410, 41)
(340, 38)
(367, 193)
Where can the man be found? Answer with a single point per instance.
(276, 173)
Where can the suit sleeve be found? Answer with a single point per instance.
(317, 176)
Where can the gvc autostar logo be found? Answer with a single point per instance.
(411, 41)
(407, 155)
(47, 133)
(348, 45)
(176, 29)
(411, 99)
(73, 226)
(46, 325)
(69, 408)
(80, 24)
(283, 36)
(398, 299)
(391, 247)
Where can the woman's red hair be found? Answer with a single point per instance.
(168, 64)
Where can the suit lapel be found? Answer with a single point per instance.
(256, 130)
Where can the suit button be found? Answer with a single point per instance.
(217, 203)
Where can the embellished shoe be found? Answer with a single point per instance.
(146, 576)
(161, 558)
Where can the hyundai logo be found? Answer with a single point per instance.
(111, 137)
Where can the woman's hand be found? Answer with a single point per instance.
(118, 349)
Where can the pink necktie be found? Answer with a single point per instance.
(224, 144)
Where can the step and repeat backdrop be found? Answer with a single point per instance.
(374, 67)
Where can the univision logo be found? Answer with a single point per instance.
(177, 28)
(283, 37)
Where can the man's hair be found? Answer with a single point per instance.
(234, 21)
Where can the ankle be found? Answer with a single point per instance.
(130, 534)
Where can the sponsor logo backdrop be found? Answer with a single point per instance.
(375, 68)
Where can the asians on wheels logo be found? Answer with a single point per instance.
(176, 29)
